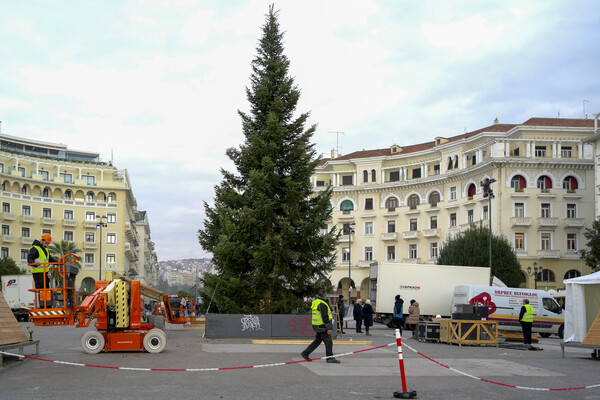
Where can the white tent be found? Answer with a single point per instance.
(582, 302)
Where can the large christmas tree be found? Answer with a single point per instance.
(267, 230)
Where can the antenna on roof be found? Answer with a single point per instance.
(337, 141)
(585, 101)
(558, 114)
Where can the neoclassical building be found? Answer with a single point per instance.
(72, 195)
(403, 202)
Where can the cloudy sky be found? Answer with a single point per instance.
(157, 84)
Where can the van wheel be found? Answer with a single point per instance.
(561, 332)
(544, 334)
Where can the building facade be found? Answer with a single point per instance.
(400, 204)
(72, 195)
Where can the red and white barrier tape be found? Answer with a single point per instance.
(297, 362)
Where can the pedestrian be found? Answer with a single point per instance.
(358, 315)
(322, 323)
(341, 312)
(183, 304)
(37, 258)
(398, 315)
(368, 316)
(414, 312)
(526, 320)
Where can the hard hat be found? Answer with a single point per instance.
(47, 238)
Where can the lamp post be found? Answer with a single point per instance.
(536, 271)
(489, 193)
(101, 224)
(350, 232)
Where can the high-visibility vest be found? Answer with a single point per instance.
(43, 257)
(317, 318)
(528, 316)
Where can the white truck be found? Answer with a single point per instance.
(504, 305)
(15, 289)
(430, 285)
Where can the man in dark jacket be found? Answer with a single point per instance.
(37, 258)
(322, 323)
(341, 312)
(398, 313)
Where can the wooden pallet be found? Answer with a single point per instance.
(472, 332)
(10, 330)
(592, 338)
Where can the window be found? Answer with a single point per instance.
(517, 182)
(470, 216)
(471, 191)
(433, 250)
(433, 222)
(67, 178)
(519, 241)
(24, 190)
(545, 210)
(89, 197)
(68, 236)
(4, 252)
(544, 183)
(391, 203)
(24, 255)
(26, 210)
(365, 176)
(369, 253)
(414, 201)
(519, 210)
(436, 169)
(452, 220)
(369, 204)
(485, 214)
(546, 276)
(46, 192)
(412, 251)
(394, 176)
(68, 195)
(347, 206)
(546, 240)
(368, 228)
(571, 210)
(572, 241)
(5, 207)
(551, 305)
(89, 258)
(48, 231)
(89, 180)
(346, 180)
(22, 171)
(453, 193)
(573, 273)
(540, 151)
(47, 213)
(112, 196)
(90, 216)
(111, 218)
(450, 164)
(25, 232)
(69, 215)
(434, 198)
(90, 237)
(455, 161)
(391, 226)
(391, 253)
(347, 229)
(111, 238)
(416, 173)
(345, 254)
(570, 183)
(111, 259)
(6, 229)
(44, 174)
(566, 152)
(413, 226)
(373, 176)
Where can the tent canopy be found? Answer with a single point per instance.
(582, 304)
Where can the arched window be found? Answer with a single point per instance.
(450, 164)
(347, 205)
(46, 192)
(414, 201)
(24, 189)
(391, 203)
(517, 182)
(68, 194)
(573, 273)
(546, 276)
(455, 161)
(434, 198)
(89, 197)
(373, 176)
(544, 182)
(570, 183)
(365, 176)
(112, 197)
(472, 190)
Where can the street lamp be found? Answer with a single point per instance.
(101, 225)
(536, 271)
(350, 232)
(489, 193)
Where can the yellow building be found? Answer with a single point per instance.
(72, 195)
(405, 201)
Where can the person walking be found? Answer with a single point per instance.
(37, 258)
(322, 323)
(398, 313)
(341, 312)
(368, 316)
(414, 312)
(183, 306)
(526, 320)
(358, 315)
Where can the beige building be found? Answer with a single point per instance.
(405, 201)
(72, 195)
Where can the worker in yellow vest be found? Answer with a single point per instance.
(322, 323)
(38, 257)
(526, 320)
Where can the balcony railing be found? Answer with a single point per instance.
(28, 219)
(431, 233)
(547, 222)
(69, 223)
(574, 222)
(520, 221)
(8, 216)
(410, 235)
(48, 221)
(389, 236)
(548, 254)
(7, 238)
(90, 245)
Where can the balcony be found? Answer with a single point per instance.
(48, 221)
(7, 216)
(26, 240)
(389, 236)
(408, 235)
(547, 222)
(431, 233)
(520, 221)
(7, 238)
(411, 261)
(28, 219)
(90, 224)
(364, 264)
(90, 245)
(548, 254)
(70, 223)
(574, 222)
(131, 234)
(130, 252)
(344, 239)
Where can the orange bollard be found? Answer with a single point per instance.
(404, 394)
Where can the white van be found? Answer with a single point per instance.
(504, 305)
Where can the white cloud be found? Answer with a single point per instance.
(466, 34)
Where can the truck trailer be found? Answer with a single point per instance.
(16, 291)
(431, 285)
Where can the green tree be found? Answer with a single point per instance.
(591, 255)
(471, 248)
(8, 266)
(63, 248)
(266, 229)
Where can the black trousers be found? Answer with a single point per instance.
(526, 331)
(38, 280)
(397, 323)
(359, 325)
(320, 337)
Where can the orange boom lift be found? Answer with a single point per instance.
(117, 305)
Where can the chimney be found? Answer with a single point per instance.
(496, 121)
(332, 153)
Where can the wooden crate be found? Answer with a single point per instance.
(444, 330)
(472, 332)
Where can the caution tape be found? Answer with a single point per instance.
(74, 364)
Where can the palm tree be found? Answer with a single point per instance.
(61, 249)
